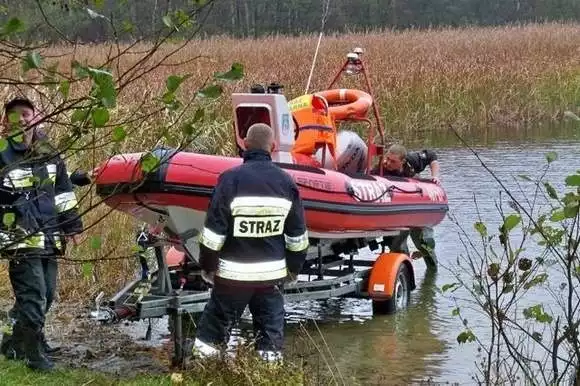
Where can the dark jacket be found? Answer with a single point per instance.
(415, 163)
(255, 229)
(37, 203)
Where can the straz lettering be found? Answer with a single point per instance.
(255, 227)
(313, 183)
(374, 191)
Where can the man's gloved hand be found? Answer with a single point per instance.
(208, 277)
(80, 178)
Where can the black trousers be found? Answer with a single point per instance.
(225, 307)
(33, 281)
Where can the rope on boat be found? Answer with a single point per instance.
(325, 9)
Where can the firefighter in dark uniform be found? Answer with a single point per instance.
(39, 216)
(254, 240)
(398, 162)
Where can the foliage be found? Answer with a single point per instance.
(95, 106)
(98, 21)
(533, 255)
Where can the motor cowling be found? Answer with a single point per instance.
(351, 153)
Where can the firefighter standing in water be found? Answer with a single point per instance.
(254, 239)
(398, 162)
(39, 214)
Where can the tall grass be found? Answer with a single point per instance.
(472, 78)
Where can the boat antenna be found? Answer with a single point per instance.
(325, 9)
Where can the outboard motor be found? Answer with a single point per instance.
(351, 153)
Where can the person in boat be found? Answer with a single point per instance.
(315, 127)
(400, 163)
(254, 239)
(39, 210)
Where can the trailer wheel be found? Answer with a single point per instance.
(401, 294)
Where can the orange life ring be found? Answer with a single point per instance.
(349, 103)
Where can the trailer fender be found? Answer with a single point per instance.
(384, 275)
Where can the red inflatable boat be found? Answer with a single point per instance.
(338, 205)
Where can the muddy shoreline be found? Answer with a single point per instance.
(107, 349)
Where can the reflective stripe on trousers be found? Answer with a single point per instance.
(204, 350)
(271, 356)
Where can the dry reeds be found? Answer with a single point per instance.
(471, 77)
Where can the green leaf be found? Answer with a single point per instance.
(524, 264)
(558, 215)
(525, 177)
(167, 21)
(128, 27)
(481, 228)
(96, 242)
(573, 180)
(87, 270)
(119, 134)
(8, 219)
(100, 117)
(14, 118)
(79, 116)
(173, 82)
(236, 72)
(64, 88)
(3, 144)
(14, 25)
(551, 191)
(447, 287)
(571, 211)
(188, 129)
(95, 15)
(571, 115)
(455, 312)
(211, 92)
(537, 336)
(508, 288)
(551, 156)
(465, 337)
(537, 280)
(168, 97)
(199, 114)
(537, 312)
(31, 60)
(511, 222)
(149, 162)
(80, 70)
(104, 87)
(493, 271)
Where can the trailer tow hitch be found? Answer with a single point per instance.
(103, 314)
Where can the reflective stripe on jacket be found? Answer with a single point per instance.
(255, 230)
(37, 203)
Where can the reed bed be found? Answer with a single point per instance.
(472, 78)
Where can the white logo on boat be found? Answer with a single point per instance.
(371, 191)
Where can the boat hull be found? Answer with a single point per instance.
(335, 203)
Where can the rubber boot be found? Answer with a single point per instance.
(11, 346)
(47, 349)
(33, 353)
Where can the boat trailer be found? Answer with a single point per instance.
(331, 270)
